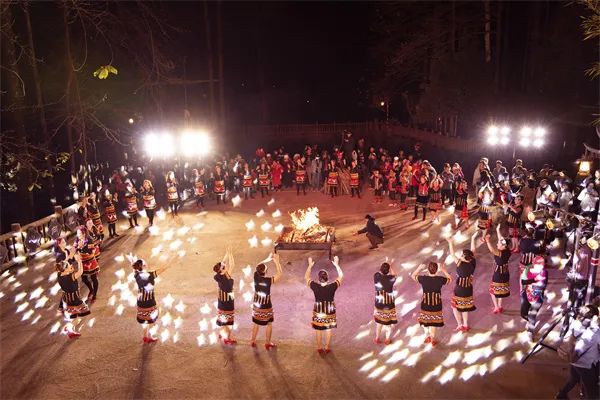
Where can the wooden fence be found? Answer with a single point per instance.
(364, 128)
(26, 241)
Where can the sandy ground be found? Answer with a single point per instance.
(110, 362)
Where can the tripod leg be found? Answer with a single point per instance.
(540, 343)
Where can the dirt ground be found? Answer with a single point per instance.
(109, 361)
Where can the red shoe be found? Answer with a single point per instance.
(270, 346)
(458, 328)
(496, 311)
(500, 310)
(253, 344)
(320, 351)
(377, 341)
(73, 334)
(327, 351)
(427, 340)
(434, 342)
(150, 339)
(387, 341)
(230, 341)
(465, 329)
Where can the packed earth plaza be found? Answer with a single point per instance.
(208, 282)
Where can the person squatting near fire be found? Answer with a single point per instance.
(372, 231)
(324, 311)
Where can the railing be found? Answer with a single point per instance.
(361, 128)
(26, 241)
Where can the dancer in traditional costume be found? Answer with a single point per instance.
(248, 179)
(110, 212)
(264, 179)
(434, 202)
(431, 316)
(131, 204)
(147, 310)
(199, 187)
(262, 308)
(355, 179)
(513, 218)
(486, 197)
(385, 302)
(225, 302)
(324, 312)
(534, 280)
(172, 193)
(404, 182)
(461, 209)
(500, 286)
(300, 175)
(219, 178)
(88, 250)
(74, 308)
(333, 178)
(147, 191)
(462, 302)
(93, 213)
(377, 185)
(530, 248)
(422, 196)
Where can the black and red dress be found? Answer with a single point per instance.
(147, 311)
(431, 303)
(435, 199)
(385, 299)
(500, 286)
(73, 306)
(225, 302)
(89, 252)
(324, 313)
(463, 290)
(262, 308)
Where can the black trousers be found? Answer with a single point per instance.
(133, 220)
(333, 190)
(447, 194)
(424, 212)
(300, 186)
(112, 229)
(264, 190)
(588, 378)
(375, 240)
(173, 205)
(354, 191)
(200, 201)
(91, 281)
(150, 214)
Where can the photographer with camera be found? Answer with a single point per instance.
(582, 349)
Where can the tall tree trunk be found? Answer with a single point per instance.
(39, 97)
(16, 101)
(488, 31)
(210, 63)
(499, 32)
(221, 78)
(68, 90)
(453, 29)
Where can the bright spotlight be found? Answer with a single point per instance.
(151, 145)
(505, 130)
(492, 140)
(194, 143)
(166, 145)
(538, 143)
(382, 103)
(504, 140)
(525, 131)
(525, 142)
(539, 132)
(492, 130)
(131, 121)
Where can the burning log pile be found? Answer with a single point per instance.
(306, 232)
(306, 228)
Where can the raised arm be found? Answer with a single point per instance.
(279, 272)
(79, 271)
(231, 263)
(307, 273)
(160, 270)
(473, 241)
(417, 271)
(336, 263)
(445, 272)
(490, 247)
(451, 250)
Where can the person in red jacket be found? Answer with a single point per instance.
(276, 174)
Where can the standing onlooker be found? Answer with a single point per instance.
(447, 185)
(315, 169)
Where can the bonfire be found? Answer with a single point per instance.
(306, 228)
